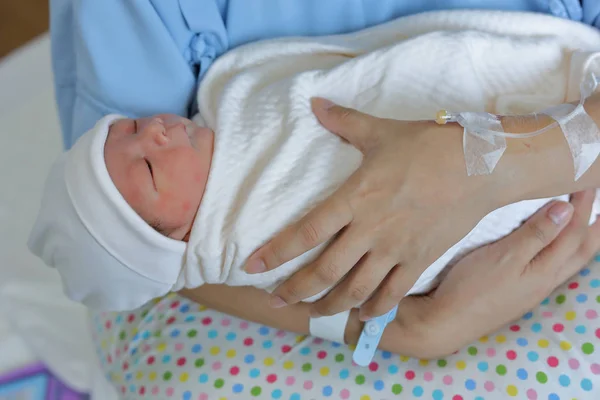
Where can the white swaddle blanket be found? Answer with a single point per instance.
(273, 161)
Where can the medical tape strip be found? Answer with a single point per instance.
(581, 132)
(484, 139)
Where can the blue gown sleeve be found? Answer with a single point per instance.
(591, 12)
(135, 58)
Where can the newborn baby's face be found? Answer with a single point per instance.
(160, 165)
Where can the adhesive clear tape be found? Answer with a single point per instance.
(484, 139)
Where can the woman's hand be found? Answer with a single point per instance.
(410, 201)
(498, 283)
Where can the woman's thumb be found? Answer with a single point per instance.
(540, 229)
(353, 126)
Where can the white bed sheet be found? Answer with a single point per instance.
(37, 322)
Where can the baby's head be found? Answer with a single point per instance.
(160, 166)
(117, 207)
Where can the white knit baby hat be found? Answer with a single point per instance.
(107, 256)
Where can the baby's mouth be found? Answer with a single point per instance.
(190, 127)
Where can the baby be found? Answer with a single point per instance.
(141, 207)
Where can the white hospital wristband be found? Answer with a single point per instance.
(331, 327)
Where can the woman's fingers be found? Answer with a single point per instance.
(391, 292)
(587, 249)
(591, 246)
(571, 237)
(356, 287)
(575, 246)
(583, 202)
(317, 227)
(325, 272)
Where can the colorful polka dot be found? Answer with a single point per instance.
(564, 345)
(417, 391)
(573, 363)
(378, 385)
(532, 356)
(541, 377)
(531, 394)
(256, 391)
(269, 361)
(397, 388)
(586, 385)
(587, 348)
(501, 370)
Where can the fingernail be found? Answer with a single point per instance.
(256, 267)
(277, 302)
(362, 316)
(559, 213)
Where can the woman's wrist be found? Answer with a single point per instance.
(541, 166)
(251, 304)
(479, 193)
(535, 167)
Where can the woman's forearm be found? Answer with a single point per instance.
(542, 166)
(252, 304)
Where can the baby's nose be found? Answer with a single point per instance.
(154, 129)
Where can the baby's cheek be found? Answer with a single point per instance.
(176, 210)
(134, 198)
